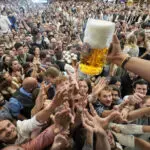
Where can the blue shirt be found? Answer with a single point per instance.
(16, 106)
(99, 107)
(5, 112)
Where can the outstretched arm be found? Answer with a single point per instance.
(143, 145)
(136, 114)
(136, 65)
(102, 142)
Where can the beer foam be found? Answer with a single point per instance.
(99, 33)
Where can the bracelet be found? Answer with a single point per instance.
(124, 62)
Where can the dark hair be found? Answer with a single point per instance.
(10, 65)
(34, 48)
(88, 82)
(26, 65)
(58, 55)
(29, 58)
(43, 54)
(113, 80)
(18, 45)
(141, 82)
(115, 88)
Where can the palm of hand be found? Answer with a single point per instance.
(63, 118)
(101, 84)
(60, 97)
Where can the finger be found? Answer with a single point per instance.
(115, 39)
(66, 105)
(85, 123)
(88, 115)
(140, 95)
(89, 123)
(112, 116)
(56, 96)
(137, 99)
(48, 86)
(92, 110)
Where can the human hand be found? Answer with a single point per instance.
(116, 108)
(115, 55)
(96, 123)
(60, 97)
(136, 98)
(63, 117)
(73, 78)
(60, 142)
(39, 103)
(100, 85)
(124, 113)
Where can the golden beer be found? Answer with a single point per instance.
(98, 34)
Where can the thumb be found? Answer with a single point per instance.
(115, 39)
(48, 86)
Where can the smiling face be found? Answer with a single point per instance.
(15, 65)
(8, 131)
(105, 97)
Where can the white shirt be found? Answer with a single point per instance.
(25, 128)
(69, 68)
(4, 24)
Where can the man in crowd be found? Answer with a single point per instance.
(22, 102)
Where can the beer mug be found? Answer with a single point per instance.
(98, 34)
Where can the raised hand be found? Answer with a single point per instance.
(115, 51)
(73, 80)
(60, 142)
(95, 122)
(60, 97)
(63, 118)
(101, 84)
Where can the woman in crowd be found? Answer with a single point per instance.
(8, 42)
(5, 64)
(131, 47)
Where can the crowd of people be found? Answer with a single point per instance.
(47, 103)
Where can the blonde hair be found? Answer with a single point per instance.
(106, 88)
(132, 40)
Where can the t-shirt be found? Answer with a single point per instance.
(99, 107)
(25, 128)
(4, 24)
(5, 112)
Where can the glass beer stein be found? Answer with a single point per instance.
(98, 34)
